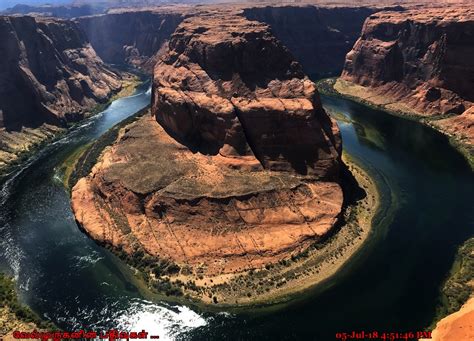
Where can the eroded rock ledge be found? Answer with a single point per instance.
(49, 73)
(49, 76)
(236, 168)
(418, 62)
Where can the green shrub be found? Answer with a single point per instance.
(8, 298)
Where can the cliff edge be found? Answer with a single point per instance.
(49, 76)
(49, 73)
(457, 326)
(417, 62)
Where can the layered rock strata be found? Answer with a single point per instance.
(49, 73)
(150, 193)
(237, 166)
(319, 37)
(418, 61)
(227, 86)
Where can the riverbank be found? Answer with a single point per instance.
(459, 138)
(455, 316)
(459, 286)
(275, 282)
(13, 315)
(457, 326)
(16, 147)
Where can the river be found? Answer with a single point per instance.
(391, 285)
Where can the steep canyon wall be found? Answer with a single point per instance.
(131, 37)
(318, 37)
(49, 72)
(418, 62)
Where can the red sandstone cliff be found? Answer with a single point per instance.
(49, 72)
(228, 86)
(419, 61)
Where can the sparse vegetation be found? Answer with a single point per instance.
(89, 157)
(460, 284)
(9, 299)
(67, 167)
(17, 147)
(155, 271)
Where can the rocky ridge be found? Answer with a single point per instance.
(318, 36)
(58, 11)
(49, 76)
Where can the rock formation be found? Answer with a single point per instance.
(241, 94)
(49, 73)
(318, 37)
(241, 171)
(418, 61)
(457, 326)
(131, 36)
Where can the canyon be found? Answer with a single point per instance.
(319, 37)
(50, 62)
(50, 76)
(234, 176)
(436, 87)
(417, 62)
(133, 37)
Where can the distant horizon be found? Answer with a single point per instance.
(4, 4)
(11, 3)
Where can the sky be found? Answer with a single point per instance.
(10, 3)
